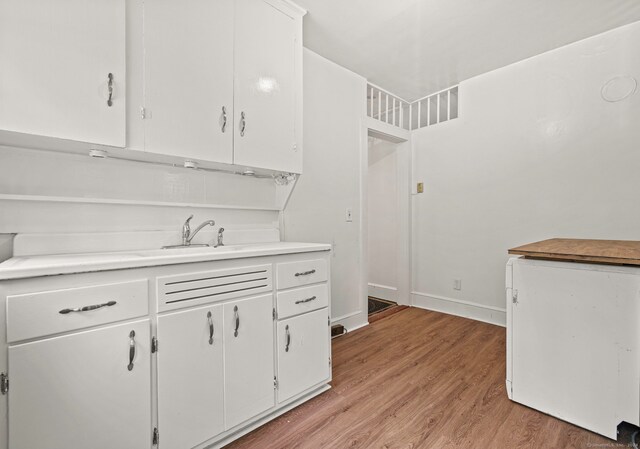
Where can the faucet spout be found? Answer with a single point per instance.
(187, 239)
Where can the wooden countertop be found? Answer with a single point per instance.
(617, 252)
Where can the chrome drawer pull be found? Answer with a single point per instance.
(132, 349)
(88, 308)
(210, 319)
(301, 301)
(237, 317)
(110, 88)
(243, 123)
(306, 273)
(286, 347)
(224, 118)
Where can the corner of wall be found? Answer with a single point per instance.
(6, 246)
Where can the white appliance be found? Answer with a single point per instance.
(573, 341)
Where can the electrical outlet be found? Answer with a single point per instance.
(420, 187)
(457, 284)
(348, 215)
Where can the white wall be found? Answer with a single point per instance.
(332, 181)
(53, 192)
(382, 213)
(536, 153)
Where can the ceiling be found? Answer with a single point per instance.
(416, 47)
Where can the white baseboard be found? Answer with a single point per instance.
(339, 319)
(466, 309)
(383, 292)
(357, 326)
(352, 321)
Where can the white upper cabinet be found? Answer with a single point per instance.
(266, 83)
(188, 78)
(213, 81)
(63, 69)
(223, 82)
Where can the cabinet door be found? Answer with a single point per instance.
(189, 78)
(56, 60)
(190, 376)
(77, 390)
(575, 343)
(249, 364)
(265, 84)
(303, 353)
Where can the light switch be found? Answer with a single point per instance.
(348, 216)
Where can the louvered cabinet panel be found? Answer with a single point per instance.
(190, 289)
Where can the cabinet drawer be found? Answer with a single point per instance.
(38, 314)
(295, 274)
(301, 300)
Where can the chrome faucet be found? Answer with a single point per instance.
(187, 235)
(220, 237)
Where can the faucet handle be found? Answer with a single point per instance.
(185, 226)
(186, 231)
(220, 237)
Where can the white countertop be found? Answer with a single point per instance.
(49, 265)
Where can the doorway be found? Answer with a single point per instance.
(387, 217)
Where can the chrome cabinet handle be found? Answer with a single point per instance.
(210, 319)
(243, 124)
(288, 334)
(88, 308)
(132, 349)
(305, 273)
(224, 119)
(302, 301)
(110, 87)
(237, 318)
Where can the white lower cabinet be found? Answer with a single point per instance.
(80, 348)
(190, 376)
(81, 390)
(573, 341)
(303, 353)
(248, 354)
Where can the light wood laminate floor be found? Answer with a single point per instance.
(419, 379)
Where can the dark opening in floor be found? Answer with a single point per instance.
(378, 305)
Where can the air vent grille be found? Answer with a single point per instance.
(205, 287)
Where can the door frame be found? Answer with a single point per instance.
(402, 139)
